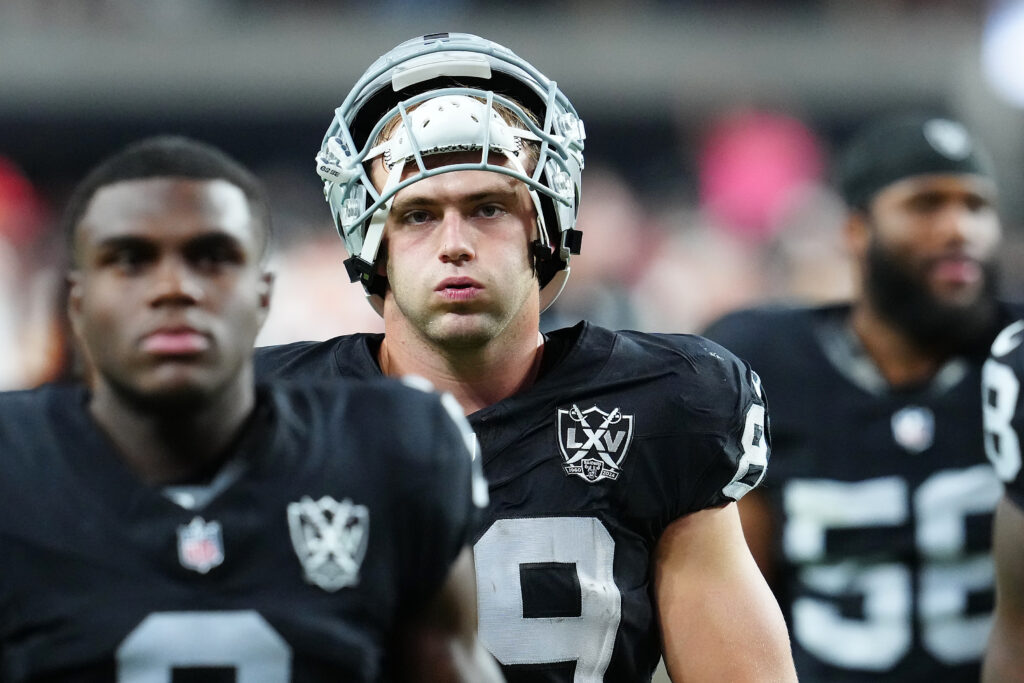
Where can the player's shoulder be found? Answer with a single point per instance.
(771, 320)
(713, 401)
(20, 401)
(774, 334)
(344, 356)
(688, 358)
(387, 398)
(23, 409)
(36, 425)
(688, 379)
(406, 418)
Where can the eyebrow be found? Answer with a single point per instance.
(429, 200)
(123, 241)
(213, 238)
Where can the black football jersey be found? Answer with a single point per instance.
(297, 562)
(883, 500)
(621, 434)
(1003, 408)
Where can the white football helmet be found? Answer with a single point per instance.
(453, 79)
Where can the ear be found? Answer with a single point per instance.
(73, 280)
(382, 256)
(857, 235)
(264, 290)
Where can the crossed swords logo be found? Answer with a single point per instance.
(330, 539)
(600, 455)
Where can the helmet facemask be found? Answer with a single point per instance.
(446, 119)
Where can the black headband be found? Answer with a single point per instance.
(898, 148)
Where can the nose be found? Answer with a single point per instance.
(456, 241)
(964, 227)
(959, 221)
(175, 284)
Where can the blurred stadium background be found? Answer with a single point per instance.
(711, 125)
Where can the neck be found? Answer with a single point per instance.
(899, 359)
(164, 446)
(477, 376)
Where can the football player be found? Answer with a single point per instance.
(614, 459)
(170, 519)
(1004, 424)
(873, 526)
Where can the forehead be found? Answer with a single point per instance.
(166, 208)
(953, 184)
(435, 161)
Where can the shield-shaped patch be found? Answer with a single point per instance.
(330, 539)
(200, 546)
(593, 442)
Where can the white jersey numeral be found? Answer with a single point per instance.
(879, 638)
(754, 461)
(1000, 389)
(582, 542)
(242, 641)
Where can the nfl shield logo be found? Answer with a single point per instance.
(330, 539)
(200, 546)
(593, 443)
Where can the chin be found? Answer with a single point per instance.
(466, 332)
(177, 392)
(177, 399)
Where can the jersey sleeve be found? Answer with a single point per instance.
(719, 443)
(744, 444)
(302, 361)
(1003, 408)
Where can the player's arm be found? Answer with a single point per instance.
(759, 530)
(441, 645)
(1004, 658)
(719, 620)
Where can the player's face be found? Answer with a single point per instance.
(168, 293)
(929, 260)
(457, 261)
(943, 229)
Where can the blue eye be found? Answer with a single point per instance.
(416, 217)
(490, 211)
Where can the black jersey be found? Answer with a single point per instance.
(1003, 408)
(297, 562)
(883, 499)
(621, 434)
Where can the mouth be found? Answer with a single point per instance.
(175, 341)
(458, 288)
(957, 271)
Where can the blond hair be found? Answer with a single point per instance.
(530, 148)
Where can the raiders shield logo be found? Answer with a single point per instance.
(200, 547)
(330, 539)
(948, 138)
(593, 443)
